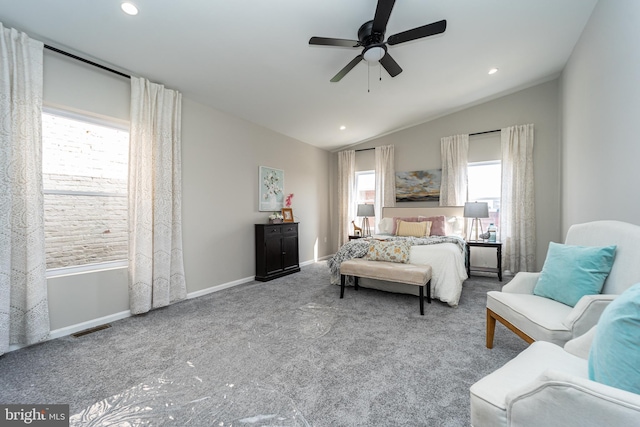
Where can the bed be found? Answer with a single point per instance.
(445, 255)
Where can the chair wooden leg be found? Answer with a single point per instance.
(491, 328)
(342, 279)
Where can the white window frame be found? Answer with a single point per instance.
(485, 163)
(371, 220)
(101, 121)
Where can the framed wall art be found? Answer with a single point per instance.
(271, 186)
(418, 186)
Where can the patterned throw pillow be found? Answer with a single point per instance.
(388, 251)
(413, 229)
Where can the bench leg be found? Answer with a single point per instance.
(421, 301)
(342, 279)
(428, 286)
(355, 282)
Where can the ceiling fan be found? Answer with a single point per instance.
(371, 38)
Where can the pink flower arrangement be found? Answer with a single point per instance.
(287, 200)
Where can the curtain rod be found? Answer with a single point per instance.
(482, 133)
(471, 134)
(86, 61)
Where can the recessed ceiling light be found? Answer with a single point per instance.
(493, 71)
(343, 127)
(129, 8)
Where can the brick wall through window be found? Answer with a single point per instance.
(85, 184)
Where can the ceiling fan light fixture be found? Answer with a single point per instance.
(374, 54)
(129, 8)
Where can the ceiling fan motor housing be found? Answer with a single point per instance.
(367, 37)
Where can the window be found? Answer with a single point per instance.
(484, 186)
(366, 192)
(84, 168)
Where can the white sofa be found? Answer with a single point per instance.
(547, 385)
(536, 318)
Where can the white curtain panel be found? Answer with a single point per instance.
(156, 269)
(385, 180)
(346, 193)
(517, 204)
(454, 154)
(24, 312)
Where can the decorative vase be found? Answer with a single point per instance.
(273, 202)
(275, 221)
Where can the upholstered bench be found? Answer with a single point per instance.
(412, 274)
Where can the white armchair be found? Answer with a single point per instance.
(536, 318)
(547, 385)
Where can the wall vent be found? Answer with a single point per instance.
(90, 331)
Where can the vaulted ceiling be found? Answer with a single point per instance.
(252, 58)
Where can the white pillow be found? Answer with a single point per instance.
(385, 226)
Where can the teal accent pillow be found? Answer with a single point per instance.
(570, 272)
(614, 358)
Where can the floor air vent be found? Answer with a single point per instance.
(90, 331)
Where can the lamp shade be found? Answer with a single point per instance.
(476, 210)
(365, 210)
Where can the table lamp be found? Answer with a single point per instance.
(476, 210)
(365, 211)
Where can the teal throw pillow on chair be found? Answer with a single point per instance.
(614, 358)
(570, 272)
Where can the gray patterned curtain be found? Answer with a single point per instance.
(346, 193)
(454, 153)
(517, 204)
(24, 311)
(385, 180)
(156, 269)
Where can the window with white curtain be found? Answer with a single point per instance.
(85, 173)
(484, 186)
(365, 191)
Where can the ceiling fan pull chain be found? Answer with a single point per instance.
(368, 79)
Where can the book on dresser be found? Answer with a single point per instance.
(276, 250)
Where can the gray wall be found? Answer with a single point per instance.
(221, 157)
(418, 147)
(601, 109)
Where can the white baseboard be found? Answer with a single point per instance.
(68, 330)
(219, 287)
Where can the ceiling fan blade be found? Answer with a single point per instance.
(383, 12)
(390, 65)
(346, 69)
(418, 33)
(325, 41)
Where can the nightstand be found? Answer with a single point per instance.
(481, 244)
(354, 237)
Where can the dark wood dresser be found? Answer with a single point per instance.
(276, 250)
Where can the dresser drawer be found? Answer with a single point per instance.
(272, 230)
(289, 228)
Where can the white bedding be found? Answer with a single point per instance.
(447, 272)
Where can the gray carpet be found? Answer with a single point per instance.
(287, 352)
